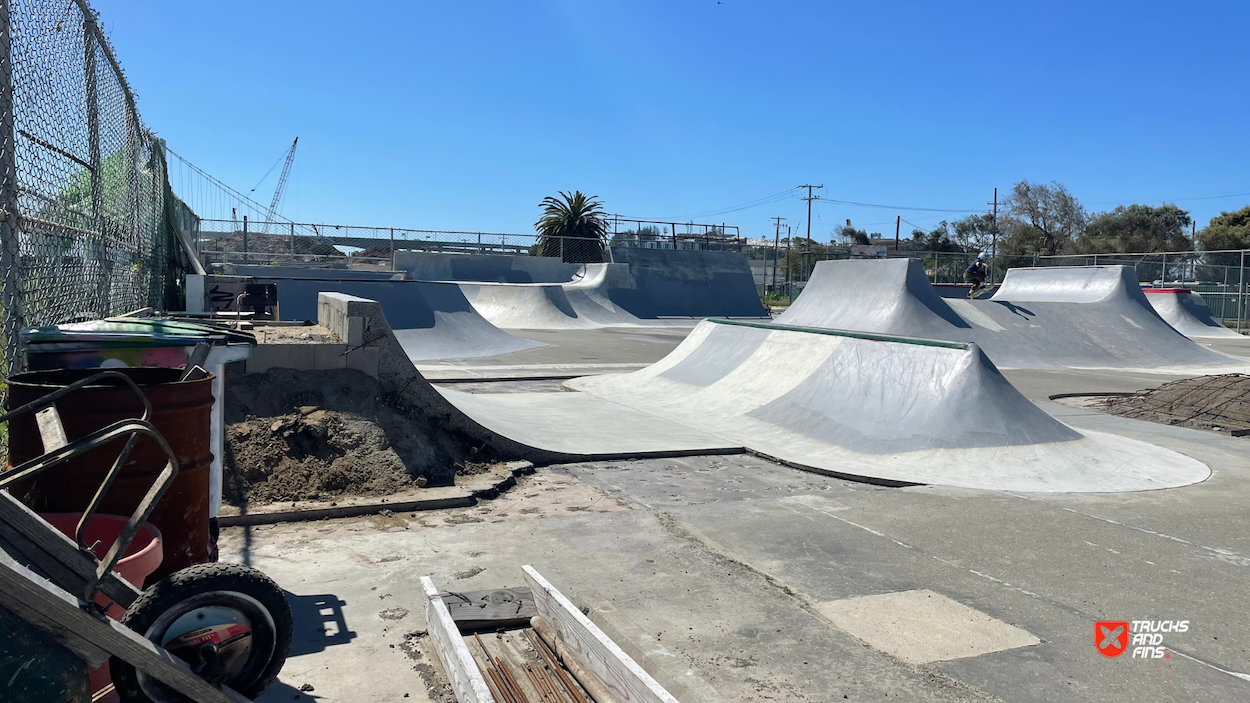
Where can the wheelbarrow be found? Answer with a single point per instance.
(209, 633)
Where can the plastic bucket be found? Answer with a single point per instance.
(140, 559)
(180, 411)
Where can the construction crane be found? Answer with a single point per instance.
(277, 192)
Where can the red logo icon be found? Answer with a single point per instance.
(1111, 637)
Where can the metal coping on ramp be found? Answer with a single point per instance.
(846, 333)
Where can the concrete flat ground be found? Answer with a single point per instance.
(731, 563)
(567, 353)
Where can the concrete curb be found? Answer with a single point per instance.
(463, 496)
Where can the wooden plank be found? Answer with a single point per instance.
(624, 678)
(466, 678)
(495, 608)
(56, 554)
(21, 591)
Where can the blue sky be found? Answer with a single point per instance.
(463, 115)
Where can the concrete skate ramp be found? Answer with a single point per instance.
(1186, 311)
(674, 283)
(889, 409)
(540, 427)
(584, 303)
(430, 320)
(1070, 284)
(525, 306)
(1115, 328)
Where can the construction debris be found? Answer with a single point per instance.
(1220, 403)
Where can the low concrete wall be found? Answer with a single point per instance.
(334, 313)
(484, 268)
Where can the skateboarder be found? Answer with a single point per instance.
(976, 274)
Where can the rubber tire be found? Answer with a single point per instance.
(191, 581)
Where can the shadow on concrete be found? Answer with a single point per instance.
(1022, 312)
(319, 623)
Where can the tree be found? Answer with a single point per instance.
(937, 239)
(1228, 230)
(1041, 218)
(850, 235)
(974, 232)
(572, 227)
(1137, 228)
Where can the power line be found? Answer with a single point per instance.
(895, 207)
(758, 202)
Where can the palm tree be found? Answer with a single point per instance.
(572, 227)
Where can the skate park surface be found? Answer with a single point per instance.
(768, 582)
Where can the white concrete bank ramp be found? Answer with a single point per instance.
(1093, 317)
(1186, 311)
(892, 409)
(430, 320)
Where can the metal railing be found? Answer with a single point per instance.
(245, 241)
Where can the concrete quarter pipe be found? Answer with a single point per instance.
(430, 320)
(1186, 311)
(642, 287)
(1053, 317)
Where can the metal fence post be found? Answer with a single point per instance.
(245, 239)
(10, 226)
(1163, 276)
(93, 150)
(392, 250)
(1241, 288)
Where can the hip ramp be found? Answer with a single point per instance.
(888, 409)
(1187, 312)
(1040, 318)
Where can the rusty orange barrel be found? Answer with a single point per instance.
(181, 411)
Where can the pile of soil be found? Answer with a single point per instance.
(1220, 403)
(317, 435)
(311, 454)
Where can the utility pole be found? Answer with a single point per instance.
(789, 239)
(994, 237)
(809, 200)
(898, 220)
(776, 243)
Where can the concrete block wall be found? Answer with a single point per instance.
(335, 313)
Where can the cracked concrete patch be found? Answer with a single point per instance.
(921, 626)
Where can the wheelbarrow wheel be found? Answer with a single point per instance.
(230, 623)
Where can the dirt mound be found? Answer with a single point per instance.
(261, 243)
(308, 435)
(1219, 403)
(312, 453)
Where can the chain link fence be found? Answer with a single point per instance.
(88, 222)
(245, 241)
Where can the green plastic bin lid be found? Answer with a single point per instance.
(134, 332)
